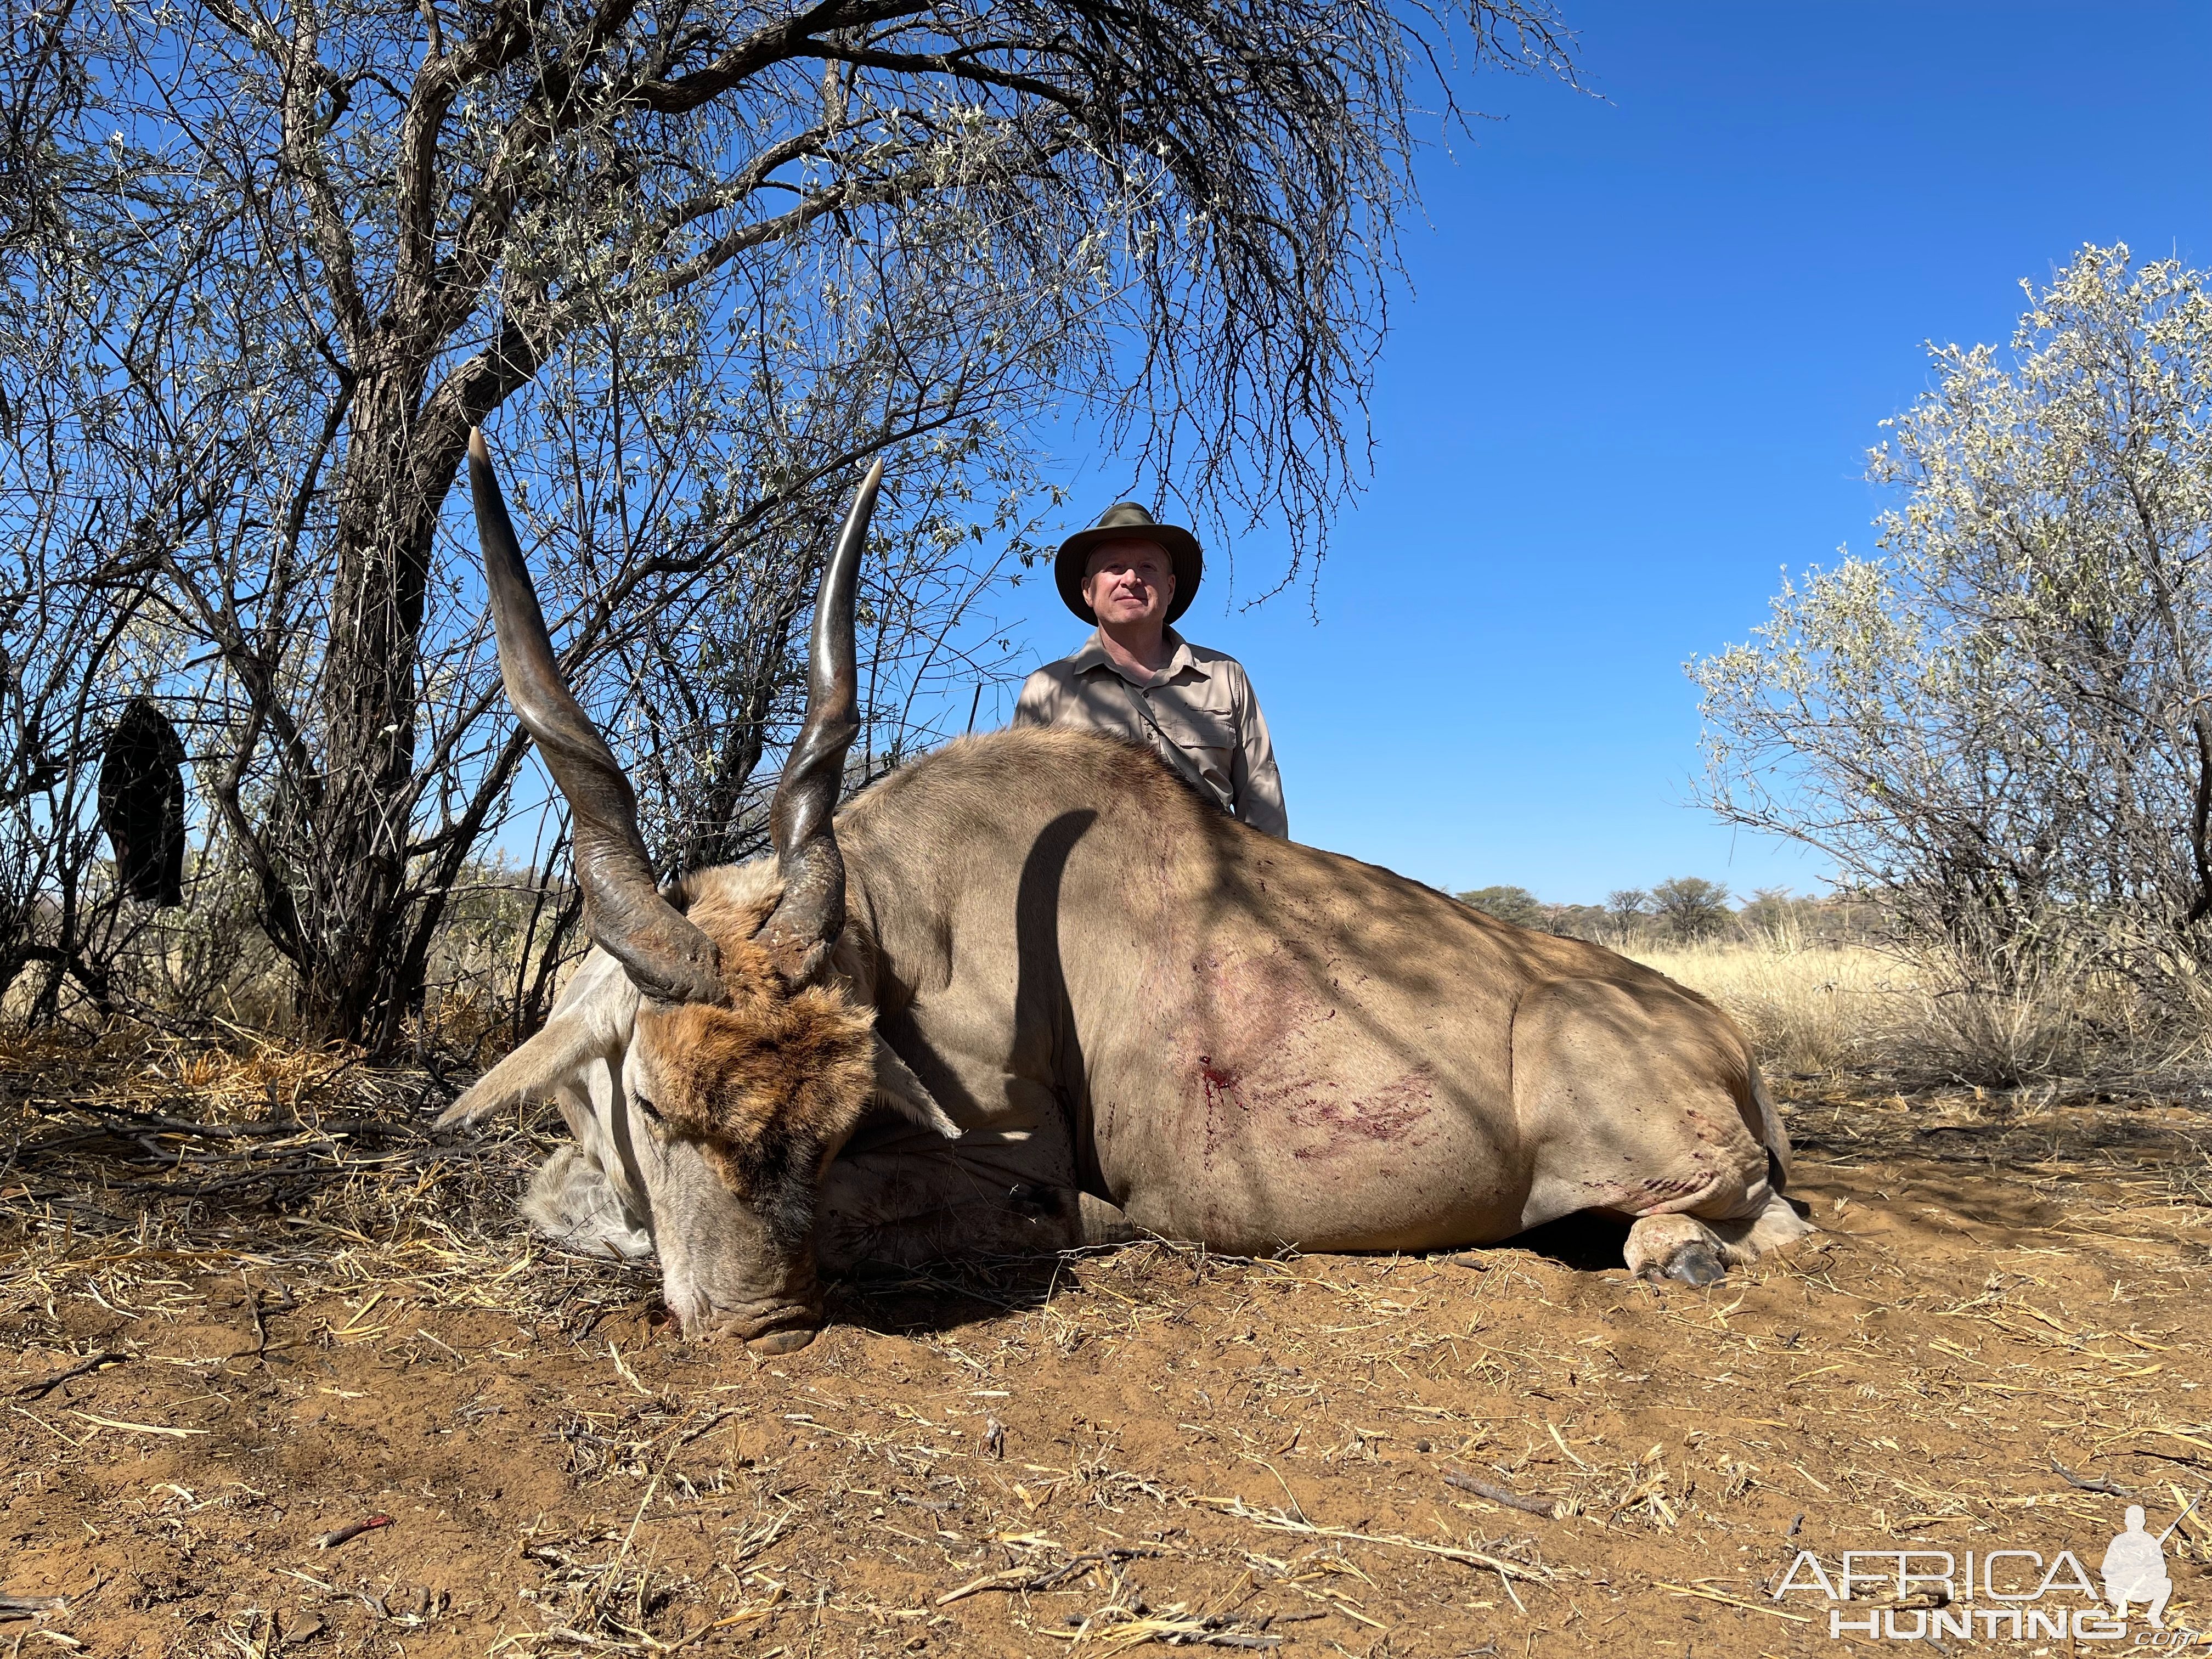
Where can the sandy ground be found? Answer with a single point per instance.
(214, 1352)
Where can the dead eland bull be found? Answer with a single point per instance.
(1034, 971)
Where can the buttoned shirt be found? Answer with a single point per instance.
(1198, 713)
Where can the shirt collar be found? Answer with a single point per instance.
(1181, 659)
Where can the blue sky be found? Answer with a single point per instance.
(1650, 338)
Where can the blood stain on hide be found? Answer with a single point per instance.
(1392, 1113)
(1633, 1197)
(1276, 1055)
(1219, 1084)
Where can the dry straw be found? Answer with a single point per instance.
(1995, 1342)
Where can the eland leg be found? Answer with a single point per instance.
(1699, 1251)
(899, 1195)
(1637, 1100)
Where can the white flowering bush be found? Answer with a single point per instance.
(1999, 717)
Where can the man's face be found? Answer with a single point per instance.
(1128, 582)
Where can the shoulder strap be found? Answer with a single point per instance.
(1143, 709)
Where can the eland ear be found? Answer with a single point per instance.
(592, 1019)
(898, 1088)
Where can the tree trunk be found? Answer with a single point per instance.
(360, 935)
(353, 838)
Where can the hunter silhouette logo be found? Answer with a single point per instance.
(1993, 1596)
(2135, 1569)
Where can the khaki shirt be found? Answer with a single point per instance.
(1204, 720)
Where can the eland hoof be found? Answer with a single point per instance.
(790, 1340)
(1696, 1263)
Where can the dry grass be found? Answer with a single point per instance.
(1811, 1010)
(1822, 1012)
(246, 1301)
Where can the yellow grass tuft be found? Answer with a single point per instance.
(1826, 1010)
(1810, 1011)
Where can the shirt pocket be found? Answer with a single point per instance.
(1207, 736)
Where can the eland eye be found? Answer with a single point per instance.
(651, 1111)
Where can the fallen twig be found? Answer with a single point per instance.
(1039, 1578)
(46, 1385)
(1277, 1521)
(1012, 1578)
(337, 1536)
(744, 1616)
(1547, 1507)
(1704, 1594)
(173, 1432)
(2172, 1457)
(260, 1330)
(2085, 1484)
(1122, 1627)
(707, 1427)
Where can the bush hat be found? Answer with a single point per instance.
(1125, 521)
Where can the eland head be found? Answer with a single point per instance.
(717, 1049)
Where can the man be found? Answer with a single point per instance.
(2135, 1571)
(1136, 678)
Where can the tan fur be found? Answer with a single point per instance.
(768, 1069)
(1121, 994)
(1250, 1041)
(975, 776)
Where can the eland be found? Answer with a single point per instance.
(1032, 991)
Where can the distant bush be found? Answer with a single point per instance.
(1514, 904)
(1692, 907)
(1688, 907)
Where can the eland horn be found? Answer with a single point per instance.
(666, 957)
(812, 912)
